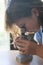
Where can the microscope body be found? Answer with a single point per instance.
(26, 36)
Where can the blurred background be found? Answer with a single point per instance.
(4, 39)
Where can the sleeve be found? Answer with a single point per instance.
(38, 37)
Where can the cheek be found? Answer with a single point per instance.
(30, 27)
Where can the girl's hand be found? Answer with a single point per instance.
(25, 46)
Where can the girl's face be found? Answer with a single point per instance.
(31, 25)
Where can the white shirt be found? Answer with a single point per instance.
(38, 37)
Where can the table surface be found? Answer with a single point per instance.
(9, 58)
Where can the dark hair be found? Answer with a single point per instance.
(40, 17)
(20, 8)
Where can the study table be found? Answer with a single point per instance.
(9, 58)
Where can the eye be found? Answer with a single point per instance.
(23, 27)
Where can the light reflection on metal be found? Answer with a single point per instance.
(42, 0)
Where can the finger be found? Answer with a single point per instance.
(21, 41)
(20, 44)
(20, 49)
(17, 38)
(15, 46)
(23, 52)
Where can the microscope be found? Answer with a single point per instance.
(26, 36)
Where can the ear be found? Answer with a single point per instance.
(35, 12)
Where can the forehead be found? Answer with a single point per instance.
(24, 21)
(21, 21)
(28, 23)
